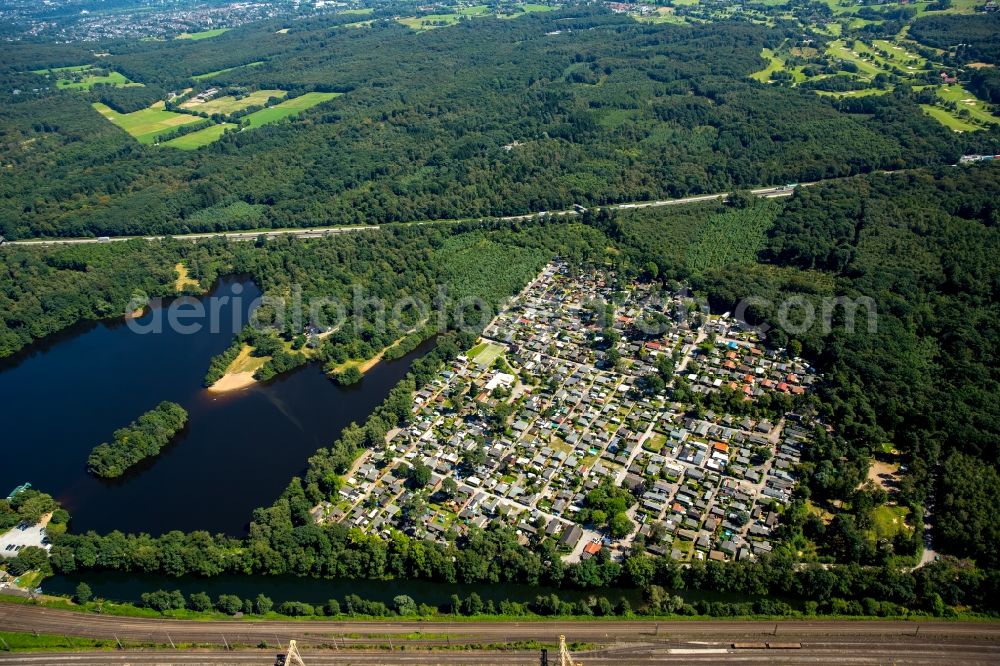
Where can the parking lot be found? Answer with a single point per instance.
(17, 538)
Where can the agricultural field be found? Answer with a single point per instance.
(84, 77)
(288, 108)
(146, 125)
(230, 104)
(202, 137)
(204, 34)
(208, 75)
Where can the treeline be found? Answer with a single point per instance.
(128, 100)
(774, 585)
(656, 602)
(141, 439)
(27, 506)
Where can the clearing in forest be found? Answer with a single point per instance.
(231, 104)
(200, 138)
(146, 125)
(84, 77)
(288, 108)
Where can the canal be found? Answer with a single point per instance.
(128, 587)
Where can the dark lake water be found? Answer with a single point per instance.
(117, 586)
(69, 393)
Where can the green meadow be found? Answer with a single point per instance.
(288, 108)
(147, 124)
(204, 34)
(78, 77)
(208, 75)
(202, 137)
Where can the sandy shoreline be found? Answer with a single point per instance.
(233, 381)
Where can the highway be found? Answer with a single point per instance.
(318, 232)
(619, 642)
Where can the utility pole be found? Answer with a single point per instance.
(565, 658)
(171, 642)
(293, 658)
(228, 649)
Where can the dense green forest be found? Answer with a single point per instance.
(923, 247)
(973, 36)
(45, 290)
(485, 118)
(138, 441)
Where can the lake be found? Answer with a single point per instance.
(70, 392)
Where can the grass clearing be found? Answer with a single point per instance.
(85, 77)
(428, 21)
(889, 520)
(200, 138)
(448, 18)
(24, 641)
(230, 104)
(204, 34)
(949, 119)
(774, 64)
(208, 75)
(184, 279)
(655, 443)
(244, 362)
(961, 97)
(485, 353)
(288, 108)
(147, 124)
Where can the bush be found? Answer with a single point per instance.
(263, 605)
(296, 609)
(199, 601)
(83, 593)
(162, 601)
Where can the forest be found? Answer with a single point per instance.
(923, 247)
(138, 441)
(977, 36)
(44, 290)
(483, 119)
